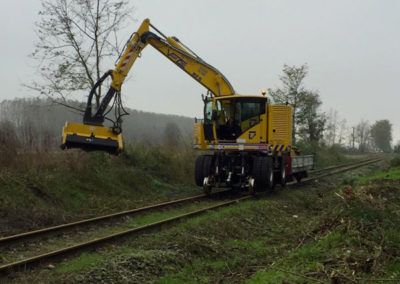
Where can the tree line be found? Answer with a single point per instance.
(317, 128)
(76, 42)
(36, 124)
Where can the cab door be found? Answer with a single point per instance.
(208, 123)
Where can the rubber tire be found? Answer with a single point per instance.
(269, 173)
(257, 173)
(207, 165)
(199, 170)
(282, 172)
(263, 173)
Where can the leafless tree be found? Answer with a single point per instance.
(172, 135)
(37, 123)
(363, 135)
(342, 131)
(331, 127)
(75, 37)
(336, 129)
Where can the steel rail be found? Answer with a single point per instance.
(35, 259)
(99, 218)
(339, 166)
(359, 165)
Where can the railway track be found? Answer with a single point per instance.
(8, 267)
(330, 168)
(97, 219)
(76, 247)
(340, 169)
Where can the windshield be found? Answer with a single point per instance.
(237, 115)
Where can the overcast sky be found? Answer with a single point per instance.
(352, 49)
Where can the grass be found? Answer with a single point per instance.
(324, 156)
(54, 187)
(40, 189)
(388, 175)
(295, 235)
(81, 262)
(364, 244)
(69, 238)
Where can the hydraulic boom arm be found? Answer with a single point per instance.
(171, 48)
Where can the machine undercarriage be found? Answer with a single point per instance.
(252, 171)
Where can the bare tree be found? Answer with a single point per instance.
(172, 135)
(9, 144)
(331, 127)
(363, 135)
(342, 131)
(336, 129)
(75, 37)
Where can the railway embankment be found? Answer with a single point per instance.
(46, 188)
(340, 228)
(41, 189)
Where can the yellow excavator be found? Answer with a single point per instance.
(248, 139)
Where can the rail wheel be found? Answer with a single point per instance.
(252, 189)
(208, 164)
(206, 187)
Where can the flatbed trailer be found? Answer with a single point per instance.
(300, 165)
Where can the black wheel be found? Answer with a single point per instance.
(269, 172)
(198, 170)
(298, 177)
(252, 189)
(257, 172)
(263, 173)
(282, 171)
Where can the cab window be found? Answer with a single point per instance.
(208, 108)
(250, 110)
(247, 114)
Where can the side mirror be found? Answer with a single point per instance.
(214, 115)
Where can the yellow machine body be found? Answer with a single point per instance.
(91, 137)
(258, 127)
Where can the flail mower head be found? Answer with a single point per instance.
(91, 138)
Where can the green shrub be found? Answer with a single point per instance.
(395, 162)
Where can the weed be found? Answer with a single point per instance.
(82, 262)
(395, 162)
(74, 184)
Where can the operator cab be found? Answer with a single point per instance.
(232, 116)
